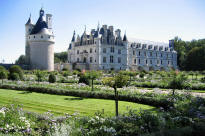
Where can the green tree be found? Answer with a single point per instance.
(60, 57)
(21, 60)
(40, 75)
(118, 81)
(177, 82)
(3, 75)
(16, 69)
(92, 75)
(52, 78)
(196, 59)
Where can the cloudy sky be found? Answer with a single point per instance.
(154, 20)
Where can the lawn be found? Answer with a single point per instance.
(59, 105)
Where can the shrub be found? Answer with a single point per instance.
(40, 75)
(142, 74)
(52, 78)
(203, 79)
(84, 79)
(14, 76)
(16, 69)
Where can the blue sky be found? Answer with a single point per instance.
(155, 20)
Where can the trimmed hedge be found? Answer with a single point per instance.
(157, 102)
(166, 86)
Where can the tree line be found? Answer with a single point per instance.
(190, 54)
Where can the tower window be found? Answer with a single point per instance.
(150, 54)
(84, 59)
(111, 59)
(139, 61)
(91, 59)
(145, 54)
(112, 49)
(133, 52)
(119, 51)
(135, 61)
(139, 53)
(119, 60)
(104, 59)
(104, 50)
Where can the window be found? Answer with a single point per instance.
(167, 55)
(119, 51)
(150, 61)
(78, 60)
(111, 59)
(91, 50)
(119, 60)
(135, 61)
(91, 59)
(146, 61)
(104, 59)
(139, 61)
(161, 62)
(172, 55)
(34, 37)
(104, 50)
(133, 52)
(168, 62)
(29, 37)
(77, 51)
(161, 54)
(95, 60)
(150, 54)
(112, 49)
(41, 36)
(84, 60)
(145, 54)
(156, 54)
(139, 53)
(157, 61)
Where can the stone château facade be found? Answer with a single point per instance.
(105, 49)
(40, 42)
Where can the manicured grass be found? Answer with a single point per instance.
(59, 105)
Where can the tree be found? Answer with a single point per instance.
(60, 57)
(16, 69)
(14, 76)
(92, 75)
(3, 75)
(177, 82)
(84, 79)
(39, 74)
(21, 60)
(52, 78)
(118, 81)
(196, 59)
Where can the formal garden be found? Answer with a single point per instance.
(104, 103)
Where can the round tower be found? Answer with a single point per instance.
(41, 42)
(28, 28)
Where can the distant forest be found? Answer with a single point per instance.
(190, 55)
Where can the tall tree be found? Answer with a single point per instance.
(118, 81)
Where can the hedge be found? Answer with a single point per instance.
(156, 102)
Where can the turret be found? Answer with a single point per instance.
(49, 20)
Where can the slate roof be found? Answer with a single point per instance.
(40, 24)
